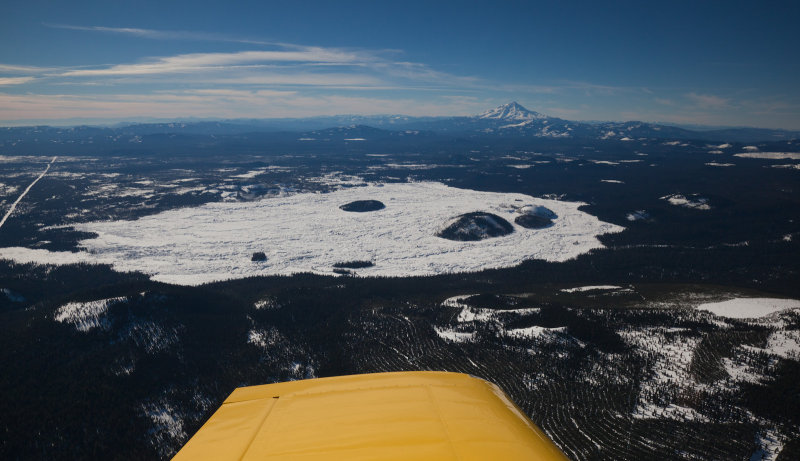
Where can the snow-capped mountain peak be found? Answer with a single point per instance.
(510, 111)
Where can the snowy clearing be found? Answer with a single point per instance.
(454, 336)
(638, 215)
(795, 166)
(697, 203)
(533, 332)
(87, 315)
(770, 155)
(309, 233)
(591, 288)
(749, 308)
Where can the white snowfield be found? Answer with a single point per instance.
(749, 308)
(309, 233)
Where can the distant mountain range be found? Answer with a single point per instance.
(508, 121)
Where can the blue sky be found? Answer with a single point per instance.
(701, 62)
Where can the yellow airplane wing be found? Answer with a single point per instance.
(383, 416)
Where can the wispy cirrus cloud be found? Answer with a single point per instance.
(155, 34)
(195, 62)
(708, 101)
(15, 80)
(15, 69)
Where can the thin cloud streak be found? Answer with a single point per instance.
(203, 61)
(10, 68)
(331, 67)
(154, 34)
(15, 80)
(708, 101)
(220, 104)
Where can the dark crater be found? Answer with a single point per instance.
(530, 221)
(353, 264)
(535, 217)
(361, 206)
(475, 226)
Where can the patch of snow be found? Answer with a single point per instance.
(151, 336)
(770, 444)
(133, 192)
(267, 303)
(469, 314)
(454, 336)
(355, 139)
(456, 301)
(533, 332)
(720, 164)
(250, 174)
(124, 369)
(337, 179)
(671, 356)
(86, 315)
(748, 308)
(188, 190)
(638, 215)
(264, 338)
(612, 181)
(750, 148)
(741, 371)
(309, 233)
(511, 111)
(7, 190)
(516, 125)
(591, 288)
(784, 343)
(411, 166)
(167, 425)
(697, 203)
(647, 410)
(520, 166)
(795, 166)
(770, 155)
